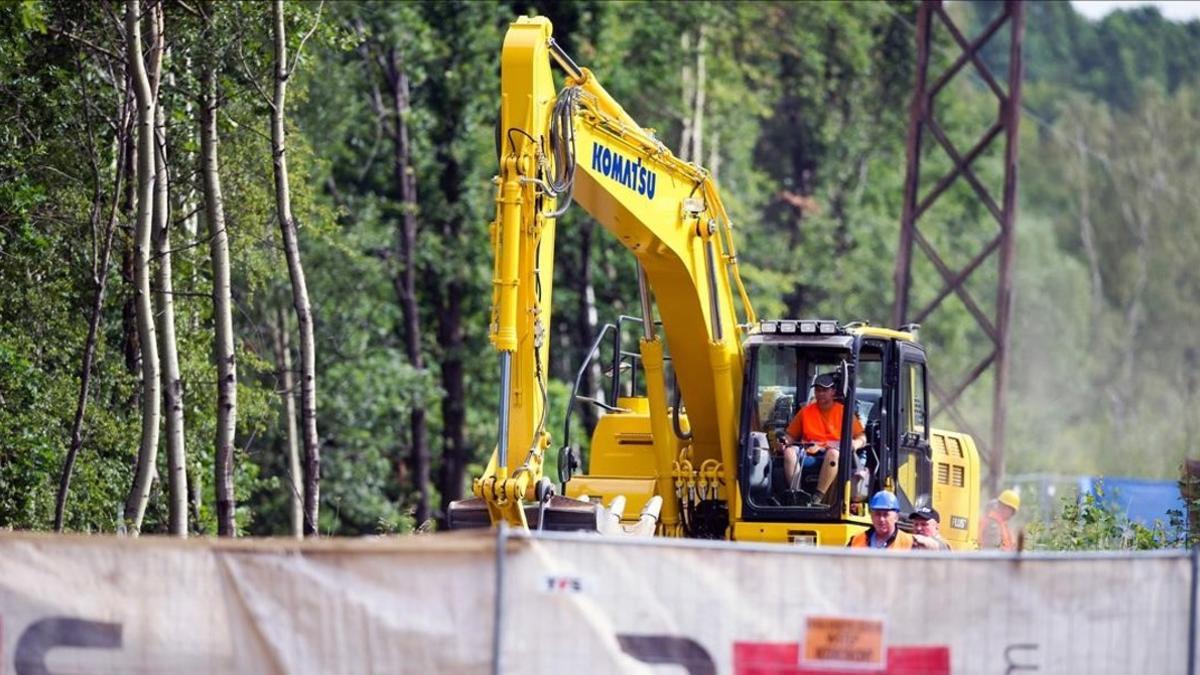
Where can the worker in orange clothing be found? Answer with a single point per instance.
(993, 531)
(885, 512)
(818, 428)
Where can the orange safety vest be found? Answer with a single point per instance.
(1006, 541)
(901, 540)
(811, 425)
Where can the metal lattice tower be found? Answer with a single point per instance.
(932, 16)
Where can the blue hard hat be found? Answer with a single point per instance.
(884, 501)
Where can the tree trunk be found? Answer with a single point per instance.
(100, 281)
(139, 493)
(714, 157)
(454, 412)
(131, 346)
(1136, 213)
(172, 385)
(195, 489)
(405, 281)
(687, 89)
(287, 226)
(222, 311)
(283, 366)
(698, 105)
(1087, 230)
(451, 308)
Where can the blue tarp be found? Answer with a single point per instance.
(1142, 500)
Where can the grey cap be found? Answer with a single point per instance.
(825, 381)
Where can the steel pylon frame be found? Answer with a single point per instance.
(922, 122)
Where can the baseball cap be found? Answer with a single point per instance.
(926, 513)
(825, 381)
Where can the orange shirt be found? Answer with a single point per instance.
(994, 533)
(814, 426)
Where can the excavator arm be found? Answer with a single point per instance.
(579, 144)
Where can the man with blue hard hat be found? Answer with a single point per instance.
(885, 512)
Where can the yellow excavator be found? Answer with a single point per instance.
(692, 440)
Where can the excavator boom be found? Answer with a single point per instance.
(580, 144)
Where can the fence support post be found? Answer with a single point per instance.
(1192, 613)
(498, 613)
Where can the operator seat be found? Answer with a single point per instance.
(761, 467)
(781, 415)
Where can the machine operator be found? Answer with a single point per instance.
(817, 430)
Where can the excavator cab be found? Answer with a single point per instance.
(879, 375)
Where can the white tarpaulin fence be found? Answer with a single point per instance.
(583, 603)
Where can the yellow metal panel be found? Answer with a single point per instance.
(828, 534)
(942, 475)
(938, 444)
(623, 445)
(884, 333)
(637, 491)
(956, 499)
(666, 444)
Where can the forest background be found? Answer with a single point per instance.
(798, 109)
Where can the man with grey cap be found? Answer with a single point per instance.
(925, 522)
(816, 431)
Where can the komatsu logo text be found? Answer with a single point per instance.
(625, 171)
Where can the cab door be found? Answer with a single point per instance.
(914, 467)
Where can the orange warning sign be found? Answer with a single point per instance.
(844, 642)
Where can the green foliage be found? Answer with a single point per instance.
(1111, 59)
(1108, 281)
(1089, 523)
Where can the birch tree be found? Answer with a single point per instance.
(172, 385)
(222, 302)
(287, 394)
(291, 247)
(135, 504)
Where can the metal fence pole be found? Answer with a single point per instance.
(498, 613)
(1192, 613)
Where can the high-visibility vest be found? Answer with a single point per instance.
(901, 540)
(1006, 540)
(813, 426)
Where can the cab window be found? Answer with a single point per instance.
(912, 398)
(776, 389)
(912, 474)
(784, 376)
